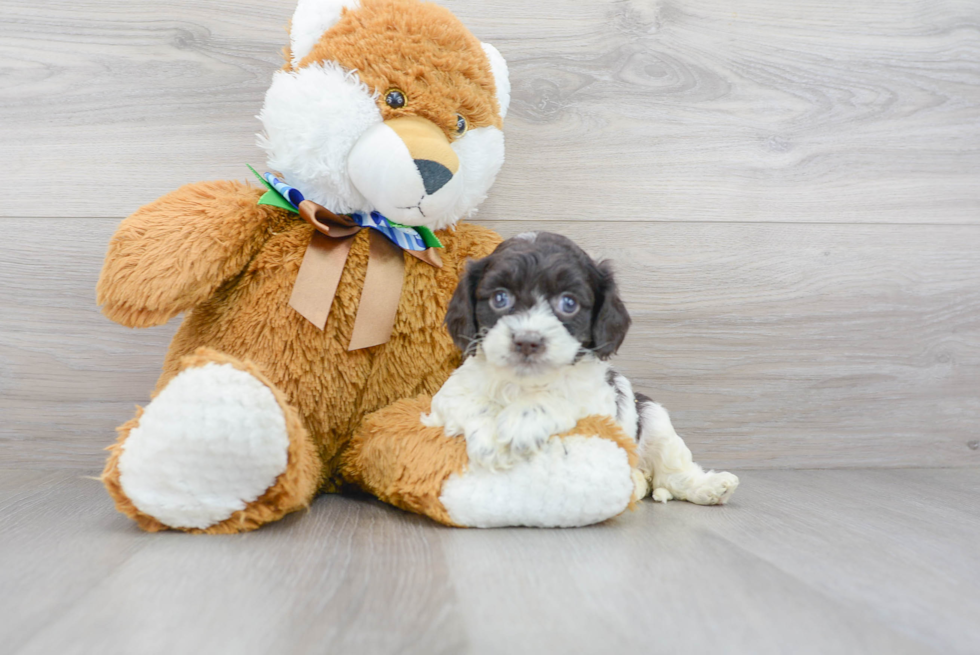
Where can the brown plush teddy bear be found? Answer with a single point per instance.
(320, 298)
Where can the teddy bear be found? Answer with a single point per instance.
(315, 300)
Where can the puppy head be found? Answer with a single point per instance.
(387, 105)
(537, 303)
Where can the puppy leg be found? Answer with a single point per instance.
(459, 412)
(667, 462)
(523, 429)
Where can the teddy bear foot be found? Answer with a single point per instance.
(584, 476)
(211, 452)
(573, 481)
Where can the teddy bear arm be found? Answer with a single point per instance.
(172, 254)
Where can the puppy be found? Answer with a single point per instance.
(537, 321)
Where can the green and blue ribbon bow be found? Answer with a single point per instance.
(415, 238)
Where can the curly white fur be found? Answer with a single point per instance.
(508, 415)
(667, 462)
(312, 119)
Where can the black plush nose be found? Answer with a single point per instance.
(434, 174)
(528, 343)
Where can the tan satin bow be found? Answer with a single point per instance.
(323, 264)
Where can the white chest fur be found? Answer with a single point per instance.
(505, 418)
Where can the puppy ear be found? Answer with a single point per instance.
(610, 320)
(461, 314)
(310, 20)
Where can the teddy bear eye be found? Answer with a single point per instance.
(460, 125)
(395, 99)
(501, 300)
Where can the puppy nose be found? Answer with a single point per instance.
(528, 343)
(434, 174)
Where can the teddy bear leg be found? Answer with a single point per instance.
(582, 477)
(585, 476)
(218, 450)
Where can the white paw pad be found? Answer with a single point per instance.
(211, 442)
(571, 482)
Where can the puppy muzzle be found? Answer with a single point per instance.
(529, 345)
(407, 169)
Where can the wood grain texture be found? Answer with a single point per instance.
(800, 561)
(774, 345)
(790, 194)
(642, 110)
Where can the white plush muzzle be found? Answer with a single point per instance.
(383, 170)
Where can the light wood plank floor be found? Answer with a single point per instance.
(856, 561)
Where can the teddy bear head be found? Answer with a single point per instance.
(387, 105)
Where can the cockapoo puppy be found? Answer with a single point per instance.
(537, 320)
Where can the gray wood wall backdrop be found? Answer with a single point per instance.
(791, 191)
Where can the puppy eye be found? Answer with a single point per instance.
(461, 125)
(567, 306)
(501, 300)
(395, 98)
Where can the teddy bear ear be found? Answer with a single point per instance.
(310, 20)
(502, 79)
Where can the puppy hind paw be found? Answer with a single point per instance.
(715, 489)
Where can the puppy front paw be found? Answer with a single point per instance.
(483, 449)
(524, 431)
(528, 442)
